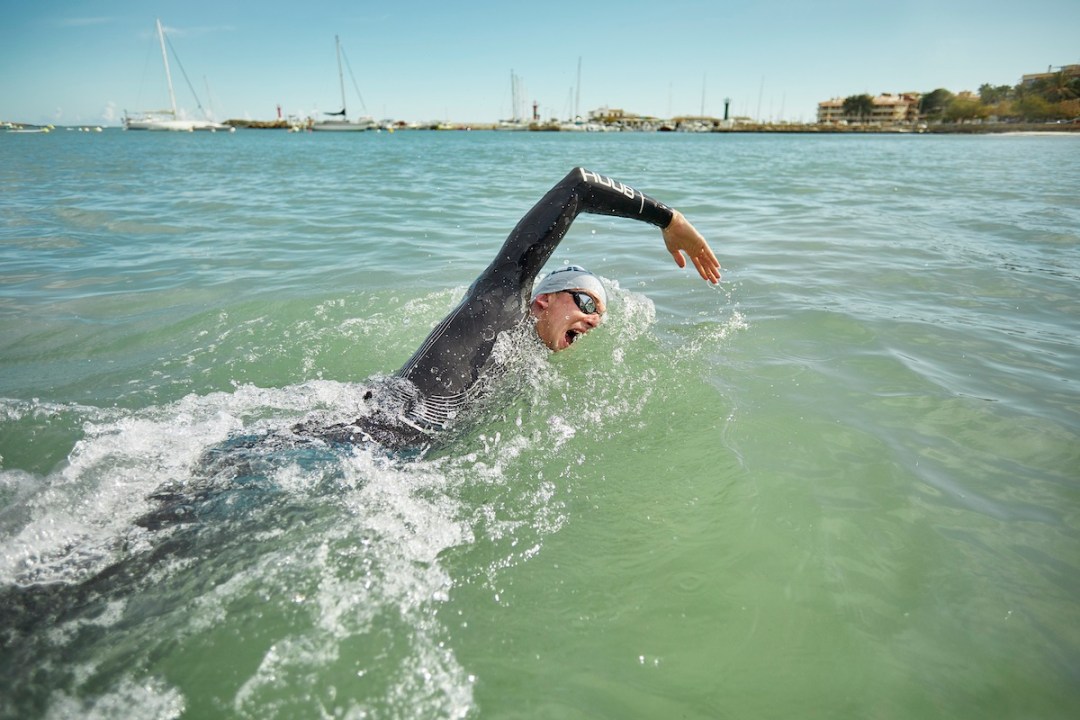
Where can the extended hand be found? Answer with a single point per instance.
(682, 237)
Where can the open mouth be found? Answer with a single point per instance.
(571, 336)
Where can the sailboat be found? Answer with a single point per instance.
(517, 122)
(342, 123)
(169, 119)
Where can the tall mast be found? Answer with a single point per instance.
(165, 59)
(341, 78)
(577, 97)
(515, 101)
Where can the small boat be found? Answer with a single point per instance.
(24, 129)
(169, 120)
(341, 123)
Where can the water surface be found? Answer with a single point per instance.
(843, 484)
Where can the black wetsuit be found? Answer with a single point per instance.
(448, 372)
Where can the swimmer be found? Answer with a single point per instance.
(451, 370)
(454, 367)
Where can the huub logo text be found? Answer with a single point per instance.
(608, 182)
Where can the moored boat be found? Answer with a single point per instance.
(340, 121)
(169, 120)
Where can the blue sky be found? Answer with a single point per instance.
(83, 62)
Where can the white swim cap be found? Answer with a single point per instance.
(572, 277)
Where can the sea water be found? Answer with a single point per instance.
(843, 484)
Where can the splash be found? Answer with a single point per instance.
(322, 572)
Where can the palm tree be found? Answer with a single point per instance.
(858, 106)
(993, 94)
(933, 104)
(1060, 87)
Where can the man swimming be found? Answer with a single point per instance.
(454, 366)
(458, 363)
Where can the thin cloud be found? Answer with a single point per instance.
(197, 30)
(84, 21)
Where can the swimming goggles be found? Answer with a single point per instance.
(584, 301)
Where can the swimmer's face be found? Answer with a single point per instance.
(559, 320)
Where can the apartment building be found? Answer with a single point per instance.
(1069, 71)
(888, 109)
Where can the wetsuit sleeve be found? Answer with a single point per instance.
(611, 197)
(539, 232)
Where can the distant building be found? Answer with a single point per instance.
(1066, 70)
(619, 118)
(888, 109)
(608, 115)
(831, 112)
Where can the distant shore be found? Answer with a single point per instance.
(663, 126)
(794, 128)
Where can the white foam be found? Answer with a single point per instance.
(131, 698)
(369, 564)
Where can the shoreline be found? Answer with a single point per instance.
(1031, 129)
(792, 128)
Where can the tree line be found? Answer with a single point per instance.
(1054, 97)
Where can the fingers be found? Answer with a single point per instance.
(708, 269)
(682, 237)
(704, 260)
(710, 272)
(708, 266)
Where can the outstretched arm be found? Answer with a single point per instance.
(681, 237)
(450, 361)
(538, 233)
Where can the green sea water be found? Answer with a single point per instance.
(844, 484)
